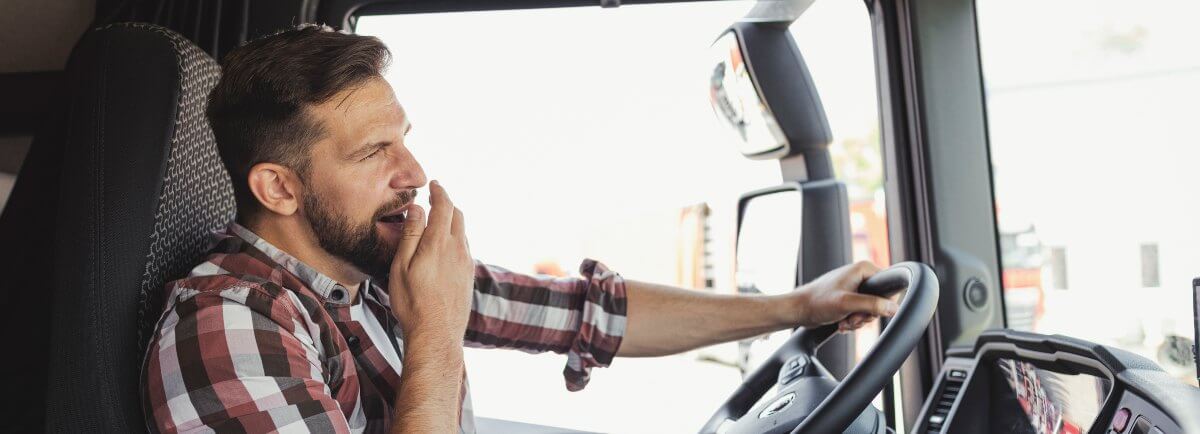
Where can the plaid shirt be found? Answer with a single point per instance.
(253, 340)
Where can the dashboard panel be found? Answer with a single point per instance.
(1026, 383)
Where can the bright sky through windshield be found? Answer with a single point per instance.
(583, 131)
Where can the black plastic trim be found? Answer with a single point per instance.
(908, 214)
(1130, 371)
(952, 133)
(342, 13)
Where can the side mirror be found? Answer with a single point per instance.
(735, 99)
(790, 234)
(761, 89)
(768, 242)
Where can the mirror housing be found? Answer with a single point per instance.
(761, 88)
(790, 234)
(767, 256)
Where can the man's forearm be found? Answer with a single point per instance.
(430, 385)
(667, 320)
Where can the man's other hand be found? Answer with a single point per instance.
(432, 274)
(834, 297)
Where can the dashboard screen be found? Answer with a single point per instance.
(1045, 402)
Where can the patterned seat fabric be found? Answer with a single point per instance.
(142, 187)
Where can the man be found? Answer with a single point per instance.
(336, 304)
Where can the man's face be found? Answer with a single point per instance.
(361, 177)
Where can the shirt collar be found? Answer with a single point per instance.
(324, 285)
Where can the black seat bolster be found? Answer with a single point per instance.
(141, 187)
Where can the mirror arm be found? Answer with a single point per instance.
(810, 165)
(793, 168)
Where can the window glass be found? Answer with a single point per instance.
(573, 133)
(1090, 106)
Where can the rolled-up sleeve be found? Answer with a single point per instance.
(582, 317)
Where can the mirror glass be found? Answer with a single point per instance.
(768, 244)
(736, 101)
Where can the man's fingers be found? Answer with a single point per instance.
(869, 304)
(441, 211)
(410, 235)
(855, 321)
(458, 225)
(865, 269)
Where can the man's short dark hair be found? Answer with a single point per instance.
(258, 108)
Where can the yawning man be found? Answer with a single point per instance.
(335, 303)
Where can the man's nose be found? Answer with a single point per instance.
(408, 173)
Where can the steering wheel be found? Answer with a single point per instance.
(811, 401)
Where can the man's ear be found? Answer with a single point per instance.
(276, 187)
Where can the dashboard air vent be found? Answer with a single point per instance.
(941, 409)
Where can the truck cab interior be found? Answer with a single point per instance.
(1002, 143)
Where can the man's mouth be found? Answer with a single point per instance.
(395, 217)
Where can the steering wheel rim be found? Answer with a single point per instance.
(851, 396)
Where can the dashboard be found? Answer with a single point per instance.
(1026, 383)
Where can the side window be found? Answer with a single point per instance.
(562, 138)
(1090, 106)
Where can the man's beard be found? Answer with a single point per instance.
(358, 244)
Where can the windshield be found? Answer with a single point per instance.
(573, 133)
(1090, 109)
(568, 133)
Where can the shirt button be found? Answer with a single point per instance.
(337, 295)
(353, 341)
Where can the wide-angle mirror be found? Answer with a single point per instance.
(768, 243)
(736, 101)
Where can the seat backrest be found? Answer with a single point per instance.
(142, 188)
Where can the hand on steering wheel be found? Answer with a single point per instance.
(834, 297)
(809, 400)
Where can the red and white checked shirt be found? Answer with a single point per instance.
(253, 340)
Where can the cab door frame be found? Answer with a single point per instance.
(938, 174)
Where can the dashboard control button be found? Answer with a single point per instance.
(957, 373)
(792, 369)
(975, 294)
(1120, 420)
(1141, 426)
